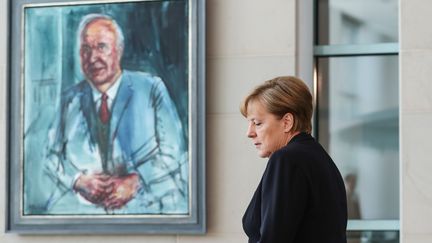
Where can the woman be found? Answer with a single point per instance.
(301, 197)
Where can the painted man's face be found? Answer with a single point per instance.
(100, 55)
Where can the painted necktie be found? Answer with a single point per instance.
(104, 113)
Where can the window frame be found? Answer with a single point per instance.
(308, 53)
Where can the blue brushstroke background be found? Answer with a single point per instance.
(156, 41)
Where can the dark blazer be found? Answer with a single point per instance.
(301, 197)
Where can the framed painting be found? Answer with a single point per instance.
(106, 117)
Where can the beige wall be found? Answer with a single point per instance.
(248, 41)
(252, 40)
(416, 120)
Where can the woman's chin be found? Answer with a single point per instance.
(263, 154)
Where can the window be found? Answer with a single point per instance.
(357, 108)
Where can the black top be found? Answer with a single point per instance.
(301, 197)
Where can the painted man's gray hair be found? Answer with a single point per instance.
(92, 17)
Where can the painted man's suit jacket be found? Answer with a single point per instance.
(145, 137)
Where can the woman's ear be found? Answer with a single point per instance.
(288, 122)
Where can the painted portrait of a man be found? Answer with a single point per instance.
(116, 141)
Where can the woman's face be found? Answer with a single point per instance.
(267, 131)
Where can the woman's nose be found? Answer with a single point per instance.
(250, 131)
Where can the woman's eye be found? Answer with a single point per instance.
(258, 124)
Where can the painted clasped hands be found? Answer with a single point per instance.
(111, 192)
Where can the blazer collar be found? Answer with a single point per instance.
(121, 102)
(302, 136)
(89, 111)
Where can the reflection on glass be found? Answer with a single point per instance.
(357, 21)
(358, 125)
(373, 237)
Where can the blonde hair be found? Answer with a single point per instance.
(283, 95)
